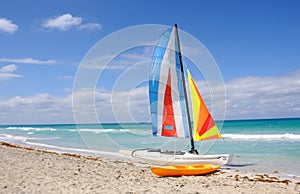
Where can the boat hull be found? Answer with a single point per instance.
(189, 170)
(166, 158)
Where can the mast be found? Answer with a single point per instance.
(193, 150)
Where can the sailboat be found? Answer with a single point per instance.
(170, 110)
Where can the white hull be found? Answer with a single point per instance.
(158, 157)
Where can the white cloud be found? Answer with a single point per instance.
(27, 61)
(89, 106)
(67, 21)
(90, 26)
(96, 63)
(8, 26)
(128, 60)
(5, 76)
(93, 105)
(264, 97)
(119, 62)
(256, 97)
(8, 68)
(85, 103)
(6, 72)
(247, 97)
(39, 108)
(63, 22)
(65, 77)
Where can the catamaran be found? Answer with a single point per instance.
(170, 110)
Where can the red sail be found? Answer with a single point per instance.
(168, 124)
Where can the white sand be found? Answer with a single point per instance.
(26, 170)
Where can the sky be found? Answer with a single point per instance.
(255, 43)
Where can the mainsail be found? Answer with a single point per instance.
(166, 92)
(168, 100)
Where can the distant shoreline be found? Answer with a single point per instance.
(109, 123)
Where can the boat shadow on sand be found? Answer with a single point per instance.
(233, 166)
(238, 165)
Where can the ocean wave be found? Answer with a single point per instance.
(285, 136)
(140, 132)
(7, 137)
(31, 128)
(104, 130)
(13, 138)
(131, 131)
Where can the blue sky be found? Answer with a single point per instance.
(255, 43)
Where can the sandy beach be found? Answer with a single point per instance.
(31, 170)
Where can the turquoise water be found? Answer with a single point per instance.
(267, 145)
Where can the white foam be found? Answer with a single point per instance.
(32, 128)
(103, 130)
(14, 138)
(132, 131)
(285, 136)
(9, 138)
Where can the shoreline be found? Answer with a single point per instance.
(31, 170)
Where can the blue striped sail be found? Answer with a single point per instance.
(167, 103)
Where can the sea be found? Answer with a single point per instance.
(267, 145)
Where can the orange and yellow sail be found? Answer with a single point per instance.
(204, 125)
